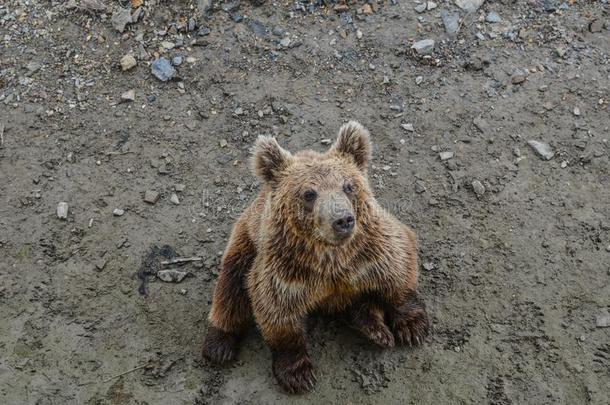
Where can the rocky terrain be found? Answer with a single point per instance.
(125, 129)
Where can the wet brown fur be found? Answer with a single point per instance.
(277, 269)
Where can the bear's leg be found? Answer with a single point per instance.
(409, 320)
(367, 316)
(231, 312)
(292, 366)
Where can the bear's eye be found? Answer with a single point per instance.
(309, 195)
(348, 188)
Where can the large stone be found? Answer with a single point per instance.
(470, 6)
(423, 47)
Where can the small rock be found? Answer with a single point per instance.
(174, 199)
(180, 187)
(420, 8)
(204, 6)
(171, 276)
(118, 212)
(429, 266)
(596, 25)
(469, 6)
(120, 18)
(482, 125)
(564, 164)
(446, 155)
(576, 111)
(162, 69)
(223, 143)
(100, 264)
(419, 80)
(431, 5)
(278, 31)
(285, 42)
(478, 188)
(420, 187)
(326, 141)
(129, 95)
(151, 196)
(62, 210)
(128, 62)
(423, 47)
(168, 45)
(493, 17)
(408, 127)
(177, 60)
(543, 150)
(359, 34)
(603, 320)
(518, 77)
(451, 21)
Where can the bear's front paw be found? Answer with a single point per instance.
(295, 375)
(219, 346)
(378, 333)
(411, 327)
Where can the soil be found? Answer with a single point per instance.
(515, 249)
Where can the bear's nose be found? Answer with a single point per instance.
(344, 224)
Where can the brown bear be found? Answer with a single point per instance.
(315, 239)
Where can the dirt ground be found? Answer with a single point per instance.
(515, 249)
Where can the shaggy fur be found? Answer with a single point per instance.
(284, 261)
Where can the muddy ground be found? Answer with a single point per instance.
(515, 249)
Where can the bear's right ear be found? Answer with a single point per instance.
(354, 140)
(269, 158)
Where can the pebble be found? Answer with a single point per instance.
(482, 125)
(151, 196)
(171, 276)
(451, 21)
(326, 141)
(129, 95)
(596, 25)
(285, 42)
(446, 155)
(223, 143)
(423, 47)
(420, 187)
(576, 111)
(180, 187)
(128, 62)
(118, 212)
(408, 127)
(469, 6)
(62, 210)
(543, 150)
(278, 31)
(420, 8)
(478, 188)
(518, 77)
(431, 5)
(177, 60)
(419, 80)
(359, 34)
(493, 17)
(174, 199)
(429, 266)
(564, 164)
(162, 69)
(120, 18)
(603, 320)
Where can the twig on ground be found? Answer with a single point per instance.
(177, 260)
(116, 376)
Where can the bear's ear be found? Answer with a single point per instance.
(269, 158)
(354, 140)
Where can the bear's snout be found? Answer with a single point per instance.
(344, 223)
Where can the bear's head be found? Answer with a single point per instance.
(318, 196)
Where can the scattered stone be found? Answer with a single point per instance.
(596, 25)
(120, 18)
(408, 127)
(162, 69)
(518, 77)
(493, 17)
(129, 95)
(423, 47)
(482, 125)
(238, 111)
(326, 141)
(177, 60)
(285, 42)
(603, 320)
(451, 21)
(420, 187)
(174, 199)
(367, 9)
(62, 210)
(128, 62)
(151, 197)
(180, 187)
(420, 8)
(204, 6)
(359, 34)
(478, 188)
(419, 80)
(171, 275)
(446, 155)
(470, 6)
(100, 264)
(223, 143)
(543, 150)
(576, 111)
(431, 5)
(278, 31)
(428, 266)
(564, 164)
(118, 212)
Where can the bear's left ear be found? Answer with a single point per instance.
(269, 159)
(354, 140)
